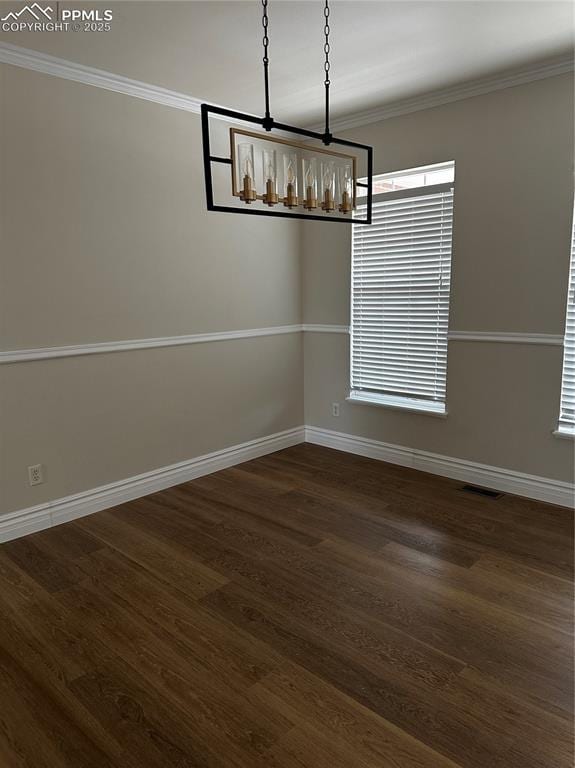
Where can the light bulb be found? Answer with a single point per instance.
(309, 168)
(290, 180)
(246, 172)
(269, 167)
(328, 181)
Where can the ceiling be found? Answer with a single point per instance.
(382, 51)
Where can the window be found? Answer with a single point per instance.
(401, 267)
(567, 413)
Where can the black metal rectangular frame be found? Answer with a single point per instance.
(208, 109)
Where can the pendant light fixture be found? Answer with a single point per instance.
(286, 171)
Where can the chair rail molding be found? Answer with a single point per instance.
(76, 350)
(27, 355)
(504, 337)
(325, 328)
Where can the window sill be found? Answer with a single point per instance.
(565, 434)
(399, 404)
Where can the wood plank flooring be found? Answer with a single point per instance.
(309, 609)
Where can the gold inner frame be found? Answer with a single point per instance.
(295, 144)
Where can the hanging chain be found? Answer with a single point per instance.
(267, 121)
(326, 66)
(326, 47)
(266, 61)
(265, 24)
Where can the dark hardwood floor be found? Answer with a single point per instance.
(307, 609)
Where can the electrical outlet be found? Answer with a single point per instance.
(36, 474)
(335, 409)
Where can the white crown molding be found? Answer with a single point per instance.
(25, 521)
(76, 350)
(98, 348)
(442, 96)
(70, 70)
(547, 339)
(509, 481)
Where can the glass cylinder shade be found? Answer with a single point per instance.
(345, 177)
(290, 180)
(286, 176)
(270, 175)
(328, 185)
(309, 173)
(246, 182)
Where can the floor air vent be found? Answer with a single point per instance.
(482, 491)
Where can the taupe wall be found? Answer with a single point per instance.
(513, 201)
(105, 237)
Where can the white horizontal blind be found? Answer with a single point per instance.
(401, 267)
(567, 415)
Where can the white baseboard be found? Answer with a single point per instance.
(518, 483)
(32, 519)
(24, 521)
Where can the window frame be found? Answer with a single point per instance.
(565, 427)
(437, 409)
